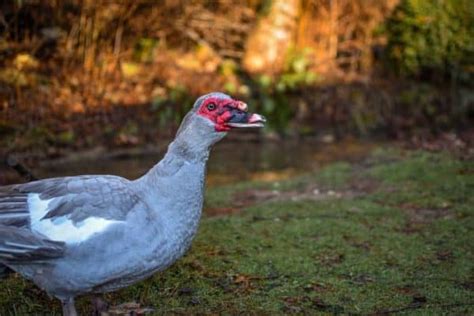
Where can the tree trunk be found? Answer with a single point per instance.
(267, 45)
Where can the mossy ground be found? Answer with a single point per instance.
(392, 234)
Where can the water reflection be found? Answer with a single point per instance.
(229, 162)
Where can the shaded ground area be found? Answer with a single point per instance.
(391, 234)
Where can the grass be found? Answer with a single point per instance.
(390, 235)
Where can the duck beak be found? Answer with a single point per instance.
(253, 120)
(240, 118)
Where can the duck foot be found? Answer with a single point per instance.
(127, 309)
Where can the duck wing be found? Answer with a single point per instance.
(69, 209)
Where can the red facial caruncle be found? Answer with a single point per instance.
(221, 111)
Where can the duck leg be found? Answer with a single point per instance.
(68, 307)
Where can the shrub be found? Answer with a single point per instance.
(275, 92)
(432, 37)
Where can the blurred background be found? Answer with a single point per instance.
(76, 75)
(357, 196)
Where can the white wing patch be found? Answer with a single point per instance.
(62, 228)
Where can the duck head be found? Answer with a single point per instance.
(212, 116)
(226, 113)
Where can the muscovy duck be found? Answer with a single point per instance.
(99, 233)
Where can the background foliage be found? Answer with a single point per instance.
(433, 36)
(80, 73)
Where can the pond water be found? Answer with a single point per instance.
(231, 161)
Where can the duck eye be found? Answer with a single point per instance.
(211, 106)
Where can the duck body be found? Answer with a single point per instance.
(152, 236)
(99, 233)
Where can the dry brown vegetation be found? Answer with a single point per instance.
(343, 34)
(93, 71)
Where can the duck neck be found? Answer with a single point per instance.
(191, 147)
(194, 139)
(186, 149)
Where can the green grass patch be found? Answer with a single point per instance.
(403, 246)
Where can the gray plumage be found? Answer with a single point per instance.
(21, 245)
(75, 235)
(13, 207)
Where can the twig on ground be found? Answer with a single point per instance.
(21, 169)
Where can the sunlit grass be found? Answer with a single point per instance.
(404, 245)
